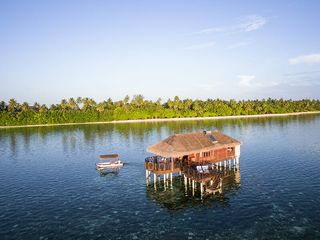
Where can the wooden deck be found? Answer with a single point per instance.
(163, 167)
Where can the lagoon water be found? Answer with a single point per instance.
(50, 189)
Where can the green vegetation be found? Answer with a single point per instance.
(87, 110)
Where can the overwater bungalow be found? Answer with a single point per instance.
(200, 157)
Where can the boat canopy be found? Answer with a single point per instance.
(107, 156)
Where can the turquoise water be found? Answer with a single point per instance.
(49, 188)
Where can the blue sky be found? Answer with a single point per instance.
(51, 50)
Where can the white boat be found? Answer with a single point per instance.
(109, 164)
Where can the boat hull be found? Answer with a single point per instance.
(104, 165)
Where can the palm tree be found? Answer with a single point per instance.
(13, 105)
(196, 106)
(43, 108)
(88, 103)
(137, 100)
(187, 103)
(79, 102)
(109, 104)
(176, 103)
(54, 107)
(2, 106)
(36, 106)
(100, 107)
(92, 103)
(73, 104)
(25, 107)
(64, 105)
(126, 100)
(169, 103)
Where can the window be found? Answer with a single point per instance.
(229, 149)
(206, 154)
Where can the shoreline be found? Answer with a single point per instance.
(167, 119)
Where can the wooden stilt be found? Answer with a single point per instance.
(192, 187)
(155, 182)
(185, 185)
(201, 189)
(220, 185)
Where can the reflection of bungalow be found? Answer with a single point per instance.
(198, 147)
(186, 189)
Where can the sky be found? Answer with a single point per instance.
(55, 49)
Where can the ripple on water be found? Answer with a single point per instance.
(50, 189)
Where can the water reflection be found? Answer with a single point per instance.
(176, 185)
(48, 181)
(108, 172)
(72, 136)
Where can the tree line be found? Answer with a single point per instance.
(88, 110)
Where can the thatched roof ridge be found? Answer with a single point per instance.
(179, 145)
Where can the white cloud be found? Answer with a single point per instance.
(200, 46)
(250, 82)
(246, 80)
(252, 23)
(246, 24)
(308, 59)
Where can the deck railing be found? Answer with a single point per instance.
(162, 166)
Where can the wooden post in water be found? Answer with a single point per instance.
(185, 184)
(155, 182)
(201, 189)
(237, 162)
(147, 177)
(220, 185)
(192, 187)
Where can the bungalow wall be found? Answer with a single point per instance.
(216, 155)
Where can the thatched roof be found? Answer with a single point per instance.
(179, 145)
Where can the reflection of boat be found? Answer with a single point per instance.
(109, 172)
(116, 164)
